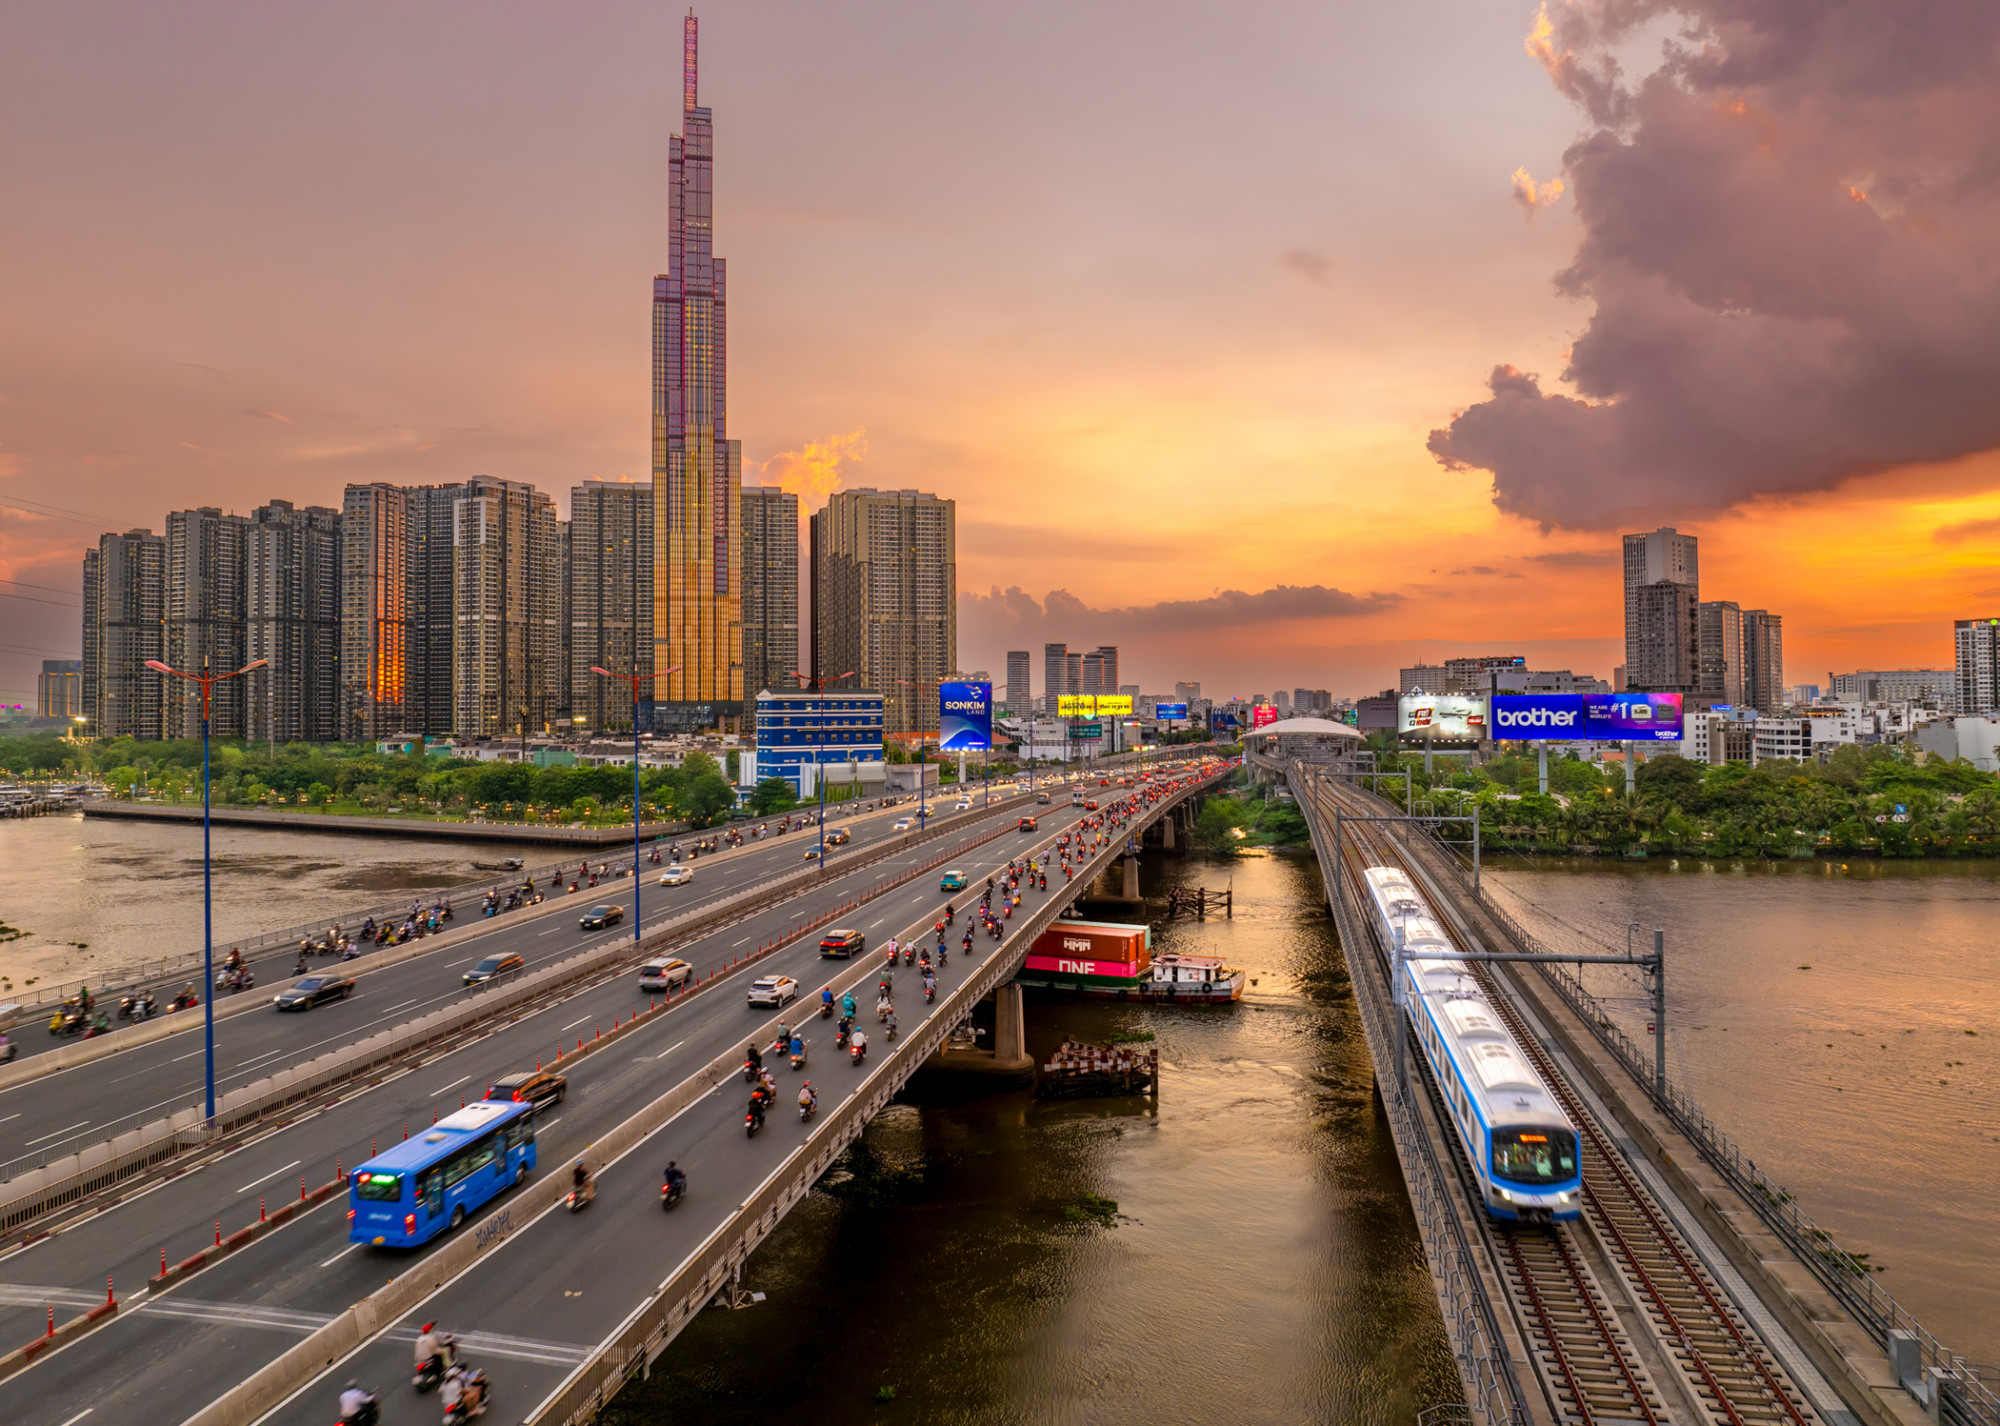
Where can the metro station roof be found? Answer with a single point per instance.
(1304, 727)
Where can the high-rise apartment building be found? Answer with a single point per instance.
(885, 583)
(1107, 668)
(1664, 656)
(1187, 693)
(1055, 674)
(59, 689)
(1764, 661)
(124, 625)
(1721, 678)
(1663, 556)
(697, 470)
(506, 642)
(1475, 675)
(770, 522)
(1976, 643)
(206, 557)
(610, 603)
(377, 566)
(1020, 687)
(291, 612)
(432, 704)
(1090, 676)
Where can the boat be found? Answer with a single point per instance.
(511, 864)
(1104, 958)
(1194, 978)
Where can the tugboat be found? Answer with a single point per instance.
(1194, 978)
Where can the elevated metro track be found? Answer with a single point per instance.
(1658, 1305)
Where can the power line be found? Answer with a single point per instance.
(23, 584)
(29, 598)
(58, 512)
(53, 653)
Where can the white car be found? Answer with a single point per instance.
(774, 991)
(962, 805)
(664, 975)
(677, 875)
(903, 824)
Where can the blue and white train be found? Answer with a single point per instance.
(1522, 1145)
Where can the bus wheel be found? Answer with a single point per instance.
(520, 1174)
(458, 1215)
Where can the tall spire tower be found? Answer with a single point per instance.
(697, 470)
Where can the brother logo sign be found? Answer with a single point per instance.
(1538, 715)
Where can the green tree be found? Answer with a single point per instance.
(707, 798)
(772, 795)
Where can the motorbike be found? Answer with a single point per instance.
(750, 1068)
(477, 1389)
(799, 1059)
(840, 1036)
(186, 1000)
(826, 1010)
(577, 1199)
(752, 1122)
(807, 1108)
(369, 1415)
(432, 1372)
(891, 964)
(930, 992)
(859, 1052)
(909, 955)
(670, 1194)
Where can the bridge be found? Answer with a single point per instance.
(218, 1275)
(1692, 1288)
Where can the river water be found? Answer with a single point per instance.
(96, 894)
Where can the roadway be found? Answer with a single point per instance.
(191, 1343)
(87, 1102)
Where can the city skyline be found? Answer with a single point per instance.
(177, 386)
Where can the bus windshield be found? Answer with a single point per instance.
(379, 1187)
(1534, 1156)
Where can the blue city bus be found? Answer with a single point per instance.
(430, 1183)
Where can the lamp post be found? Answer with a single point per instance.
(634, 680)
(818, 686)
(207, 681)
(921, 684)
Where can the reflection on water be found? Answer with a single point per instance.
(98, 893)
(1839, 1021)
(1261, 1264)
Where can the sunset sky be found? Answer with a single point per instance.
(1236, 332)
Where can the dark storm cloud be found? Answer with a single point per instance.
(1790, 238)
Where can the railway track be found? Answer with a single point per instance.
(1590, 1367)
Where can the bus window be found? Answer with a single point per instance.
(379, 1187)
(521, 1131)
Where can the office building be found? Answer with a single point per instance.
(124, 625)
(1763, 660)
(206, 555)
(59, 689)
(1976, 644)
(770, 591)
(291, 613)
(610, 604)
(1107, 668)
(1926, 687)
(376, 568)
(1073, 674)
(1090, 679)
(1187, 693)
(1721, 678)
(506, 640)
(1475, 675)
(802, 736)
(1020, 689)
(1282, 701)
(1423, 678)
(1664, 654)
(1055, 674)
(697, 469)
(885, 582)
(1663, 557)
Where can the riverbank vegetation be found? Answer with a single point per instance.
(1875, 801)
(356, 779)
(1249, 817)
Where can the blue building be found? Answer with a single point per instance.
(799, 731)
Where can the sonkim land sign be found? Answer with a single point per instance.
(965, 716)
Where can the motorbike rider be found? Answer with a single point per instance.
(580, 1179)
(433, 1346)
(675, 1179)
(354, 1402)
(826, 995)
(766, 1083)
(754, 1057)
(858, 1043)
(847, 1006)
(757, 1102)
(797, 1048)
(808, 1096)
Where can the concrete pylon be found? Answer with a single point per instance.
(1132, 878)
(1010, 1025)
(1167, 830)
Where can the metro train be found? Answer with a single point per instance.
(1523, 1148)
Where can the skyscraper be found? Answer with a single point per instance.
(1092, 680)
(1664, 556)
(376, 569)
(1073, 673)
(770, 592)
(610, 598)
(697, 470)
(885, 603)
(59, 690)
(206, 552)
(1764, 660)
(1055, 674)
(1107, 668)
(124, 610)
(1665, 654)
(505, 641)
(1020, 686)
(291, 612)
(1722, 651)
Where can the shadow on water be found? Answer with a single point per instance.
(1243, 1251)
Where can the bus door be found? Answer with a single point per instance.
(430, 1191)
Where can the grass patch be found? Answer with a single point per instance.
(1091, 1211)
(1142, 1037)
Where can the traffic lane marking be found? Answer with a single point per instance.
(271, 1175)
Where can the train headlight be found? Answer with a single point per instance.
(1505, 1196)
(1562, 1198)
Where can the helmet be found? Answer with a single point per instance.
(430, 1326)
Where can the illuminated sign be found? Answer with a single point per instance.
(1632, 717)
(1262, 714)
(1086, 705)
(1452, 717)
(965, 716)
(1170, 710)
(1537, 717)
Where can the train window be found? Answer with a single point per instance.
(1534, 1155)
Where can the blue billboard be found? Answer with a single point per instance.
(1223, 722)
(1632, 717)
(1165, 711)
(1538, 717)
(965, 717)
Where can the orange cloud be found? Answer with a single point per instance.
(813, 472)
(1532, 196)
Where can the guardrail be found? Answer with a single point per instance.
(1964, 1395)
(64, 1179)
(655, 1323)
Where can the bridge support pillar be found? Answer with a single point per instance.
(1132, 878)
(1010, 1025)
(1167, 829)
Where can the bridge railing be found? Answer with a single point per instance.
(1964, 1391)
(1493, 1391)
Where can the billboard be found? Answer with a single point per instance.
(1453, 717)
(1538, 717)
(1089, 732)
(1263, 714)
(1223, 722)
(1166, 711)
(1632, 717)
(965, 716)
(1088, 705)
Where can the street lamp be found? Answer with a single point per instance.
(921, 683)
(207, 681)
(634, 680)
(819, 748)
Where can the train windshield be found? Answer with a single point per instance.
(1536, 1156)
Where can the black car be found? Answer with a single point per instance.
(494, 968)
(540, 1088)
(838, 837)
(598, 917)
(843, 943)
(313, 990)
